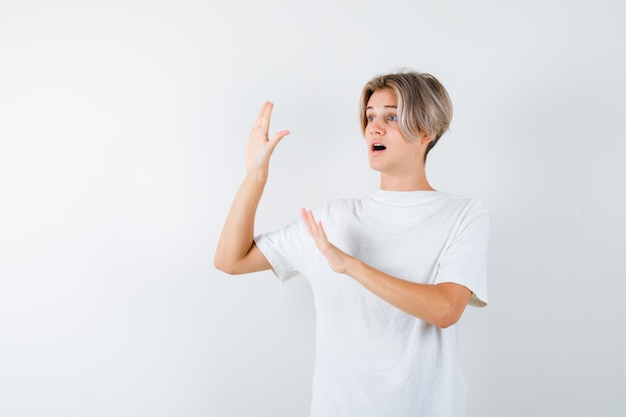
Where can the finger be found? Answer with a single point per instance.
(263, 118)
(321, 232)
(317, 229)
(277, 138)
(312, 221)
(309, 221)
(305, 219)
(266, 116)
(279, 135)
(312, 225)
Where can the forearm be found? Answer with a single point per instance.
(236, 252)
(439, 304)
(237, 237)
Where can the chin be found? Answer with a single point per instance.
(375, 166)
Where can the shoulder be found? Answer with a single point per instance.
(464, 211)
(341, 209)
(342, 203)
(470, 204)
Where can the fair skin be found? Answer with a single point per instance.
(236, 252)
(401, 164)
(401, 168)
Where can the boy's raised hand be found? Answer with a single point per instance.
(260, 147)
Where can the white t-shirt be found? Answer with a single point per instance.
(373, 359)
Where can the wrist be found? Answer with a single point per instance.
(353, 266)
(257, 175)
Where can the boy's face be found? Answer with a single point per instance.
(389, 152)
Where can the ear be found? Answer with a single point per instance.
(426, 138)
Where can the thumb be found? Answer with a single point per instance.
(278, 136)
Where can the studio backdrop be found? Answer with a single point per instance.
(122, 131)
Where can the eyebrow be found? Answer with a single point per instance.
(387, 107)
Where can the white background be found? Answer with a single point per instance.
(122, 128)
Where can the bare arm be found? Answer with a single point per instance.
(440, 304)
(236, 252)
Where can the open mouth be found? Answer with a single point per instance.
(378, 147)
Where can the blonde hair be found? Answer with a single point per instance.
(423, 104)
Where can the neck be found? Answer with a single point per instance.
(417, 182)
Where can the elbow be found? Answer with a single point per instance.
(445, 322)
(447, 309)
(446, 317)
(223, 265)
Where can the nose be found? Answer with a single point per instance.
(375, 127)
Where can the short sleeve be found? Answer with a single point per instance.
(289, 250)
(465, 260)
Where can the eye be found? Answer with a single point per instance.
(370, 118)
(393, 118)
